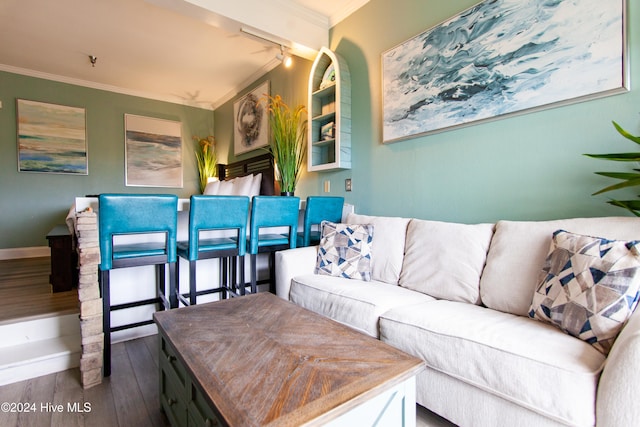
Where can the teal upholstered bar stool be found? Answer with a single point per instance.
(318, 209)
(219, 214)
(119, 217)
(266, 212)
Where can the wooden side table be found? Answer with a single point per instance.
(64, 260)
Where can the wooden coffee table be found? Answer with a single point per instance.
(259, 360)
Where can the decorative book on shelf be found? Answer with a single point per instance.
(329, 138)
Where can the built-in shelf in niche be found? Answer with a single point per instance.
(329, 138)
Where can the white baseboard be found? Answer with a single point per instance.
(32, 252)
(39, 347)
(39, 358)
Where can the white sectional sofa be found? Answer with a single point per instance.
(458, 296)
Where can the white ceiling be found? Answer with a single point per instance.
(195, 52)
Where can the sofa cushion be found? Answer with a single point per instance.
(530, 363)
(588, 287)
(387, 247)
(353, 302)
(345, 251)
(518, 250)
(445, 260)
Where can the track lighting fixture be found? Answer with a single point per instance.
(284, 57)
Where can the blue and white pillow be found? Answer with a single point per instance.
(345, 250)
(589, 287)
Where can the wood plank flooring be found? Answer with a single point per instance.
(129, 397)
(25, 292)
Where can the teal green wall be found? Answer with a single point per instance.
(525, 167)
(32, 203)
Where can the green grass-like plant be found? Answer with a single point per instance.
(627, 179)
(207, 159)
(288, 135)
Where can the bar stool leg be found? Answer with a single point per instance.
(237, 281)
(254, 287)
(272, 272)
(242, 278)
(161, 286)
(192, 283)
(173, 295)
(106, 322)
(222, 271)
(225, 270)
(178, 282)
(234, 279)
(231, 275)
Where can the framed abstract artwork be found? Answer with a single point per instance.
(51, 138)
(153, 152)
(503, 57)
(251, 120)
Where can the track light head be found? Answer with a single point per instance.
(283, 56)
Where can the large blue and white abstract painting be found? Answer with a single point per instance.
(502, 57)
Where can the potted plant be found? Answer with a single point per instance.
(206, 156)
(628, 179)
(288, 145)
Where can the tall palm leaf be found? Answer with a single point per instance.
(630, 179)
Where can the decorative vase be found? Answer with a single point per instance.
(287, 193)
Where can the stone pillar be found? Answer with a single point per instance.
(88, 247)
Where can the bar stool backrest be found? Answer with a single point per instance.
(318, 209)
(217, 213)
(273, 211)
(136, 214)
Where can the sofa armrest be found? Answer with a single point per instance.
(291, 263)
(619, 387)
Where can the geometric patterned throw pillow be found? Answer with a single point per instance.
(345, 250)
(588, 287)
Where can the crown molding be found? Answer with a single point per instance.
(93, 85)
(251, 79)
(171, 99)
(296, 10)
(346, 10)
